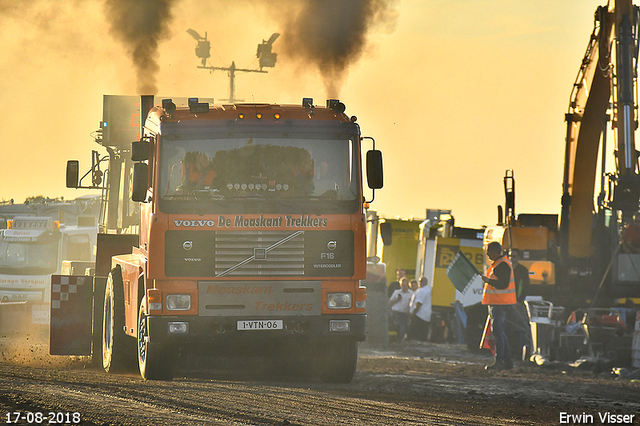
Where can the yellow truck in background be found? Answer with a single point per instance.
(455, 316)
(422, 247)
(391, 244)
(399, 238)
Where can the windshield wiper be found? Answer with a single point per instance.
(178, 197)
(195, 196)
(248, 197)
(323, 198)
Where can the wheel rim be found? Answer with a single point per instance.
(107, 321)
(107, 325)
(142, 338)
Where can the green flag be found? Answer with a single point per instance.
(462, 272)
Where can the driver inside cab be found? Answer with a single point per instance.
(197, 172)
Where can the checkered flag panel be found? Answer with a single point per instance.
(71, 315)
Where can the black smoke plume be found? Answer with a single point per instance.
(140, 25)
(332, 34)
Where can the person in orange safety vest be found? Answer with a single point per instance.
(499, 293)
(198, 173)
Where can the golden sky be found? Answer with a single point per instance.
(454, 91)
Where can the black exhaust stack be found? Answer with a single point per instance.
(146, 104)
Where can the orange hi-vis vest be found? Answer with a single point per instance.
(204, 179)
(494, 296)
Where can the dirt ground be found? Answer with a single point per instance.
(411, 383)
(528, 391)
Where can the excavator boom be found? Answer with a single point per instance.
(607, 75)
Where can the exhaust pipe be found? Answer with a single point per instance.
(146, 104)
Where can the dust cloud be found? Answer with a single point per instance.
(28, 345)
(334, 34)
(140, 25)
(67, 54)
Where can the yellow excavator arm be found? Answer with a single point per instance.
(607, 75)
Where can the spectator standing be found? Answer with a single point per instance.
(499, 292)
(400, 273)
(518, 312)
(420, 308)
(521, 275)
(414, 286)
(399, 303)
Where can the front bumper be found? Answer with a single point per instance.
(224, 330)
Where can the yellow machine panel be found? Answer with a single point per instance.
(540, 271)
(444, 293)
(529, 238)
(401, 252)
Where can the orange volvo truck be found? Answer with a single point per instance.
(250, 239)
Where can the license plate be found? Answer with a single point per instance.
(260, 325)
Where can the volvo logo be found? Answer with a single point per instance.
(331, 245)
(187, 245)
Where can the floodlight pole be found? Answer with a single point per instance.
(232, 76)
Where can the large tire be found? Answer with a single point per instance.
(118, 349)
(338, 361)
(154, 361)
(291, 360)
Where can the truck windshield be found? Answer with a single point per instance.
(29, 258)
(252, 174)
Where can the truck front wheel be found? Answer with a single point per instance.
(118, 354)
(338, 361)
(154, 361)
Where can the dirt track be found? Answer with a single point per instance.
(410, 384)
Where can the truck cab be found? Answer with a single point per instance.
(250, 239)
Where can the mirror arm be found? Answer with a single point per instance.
(95, 166)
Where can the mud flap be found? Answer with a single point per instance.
(70, 332)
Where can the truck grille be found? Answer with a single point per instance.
(259, 253)
(234, 248)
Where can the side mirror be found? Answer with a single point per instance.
(140, 150)
(140, 182)
(374, 169)
(73, 173)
